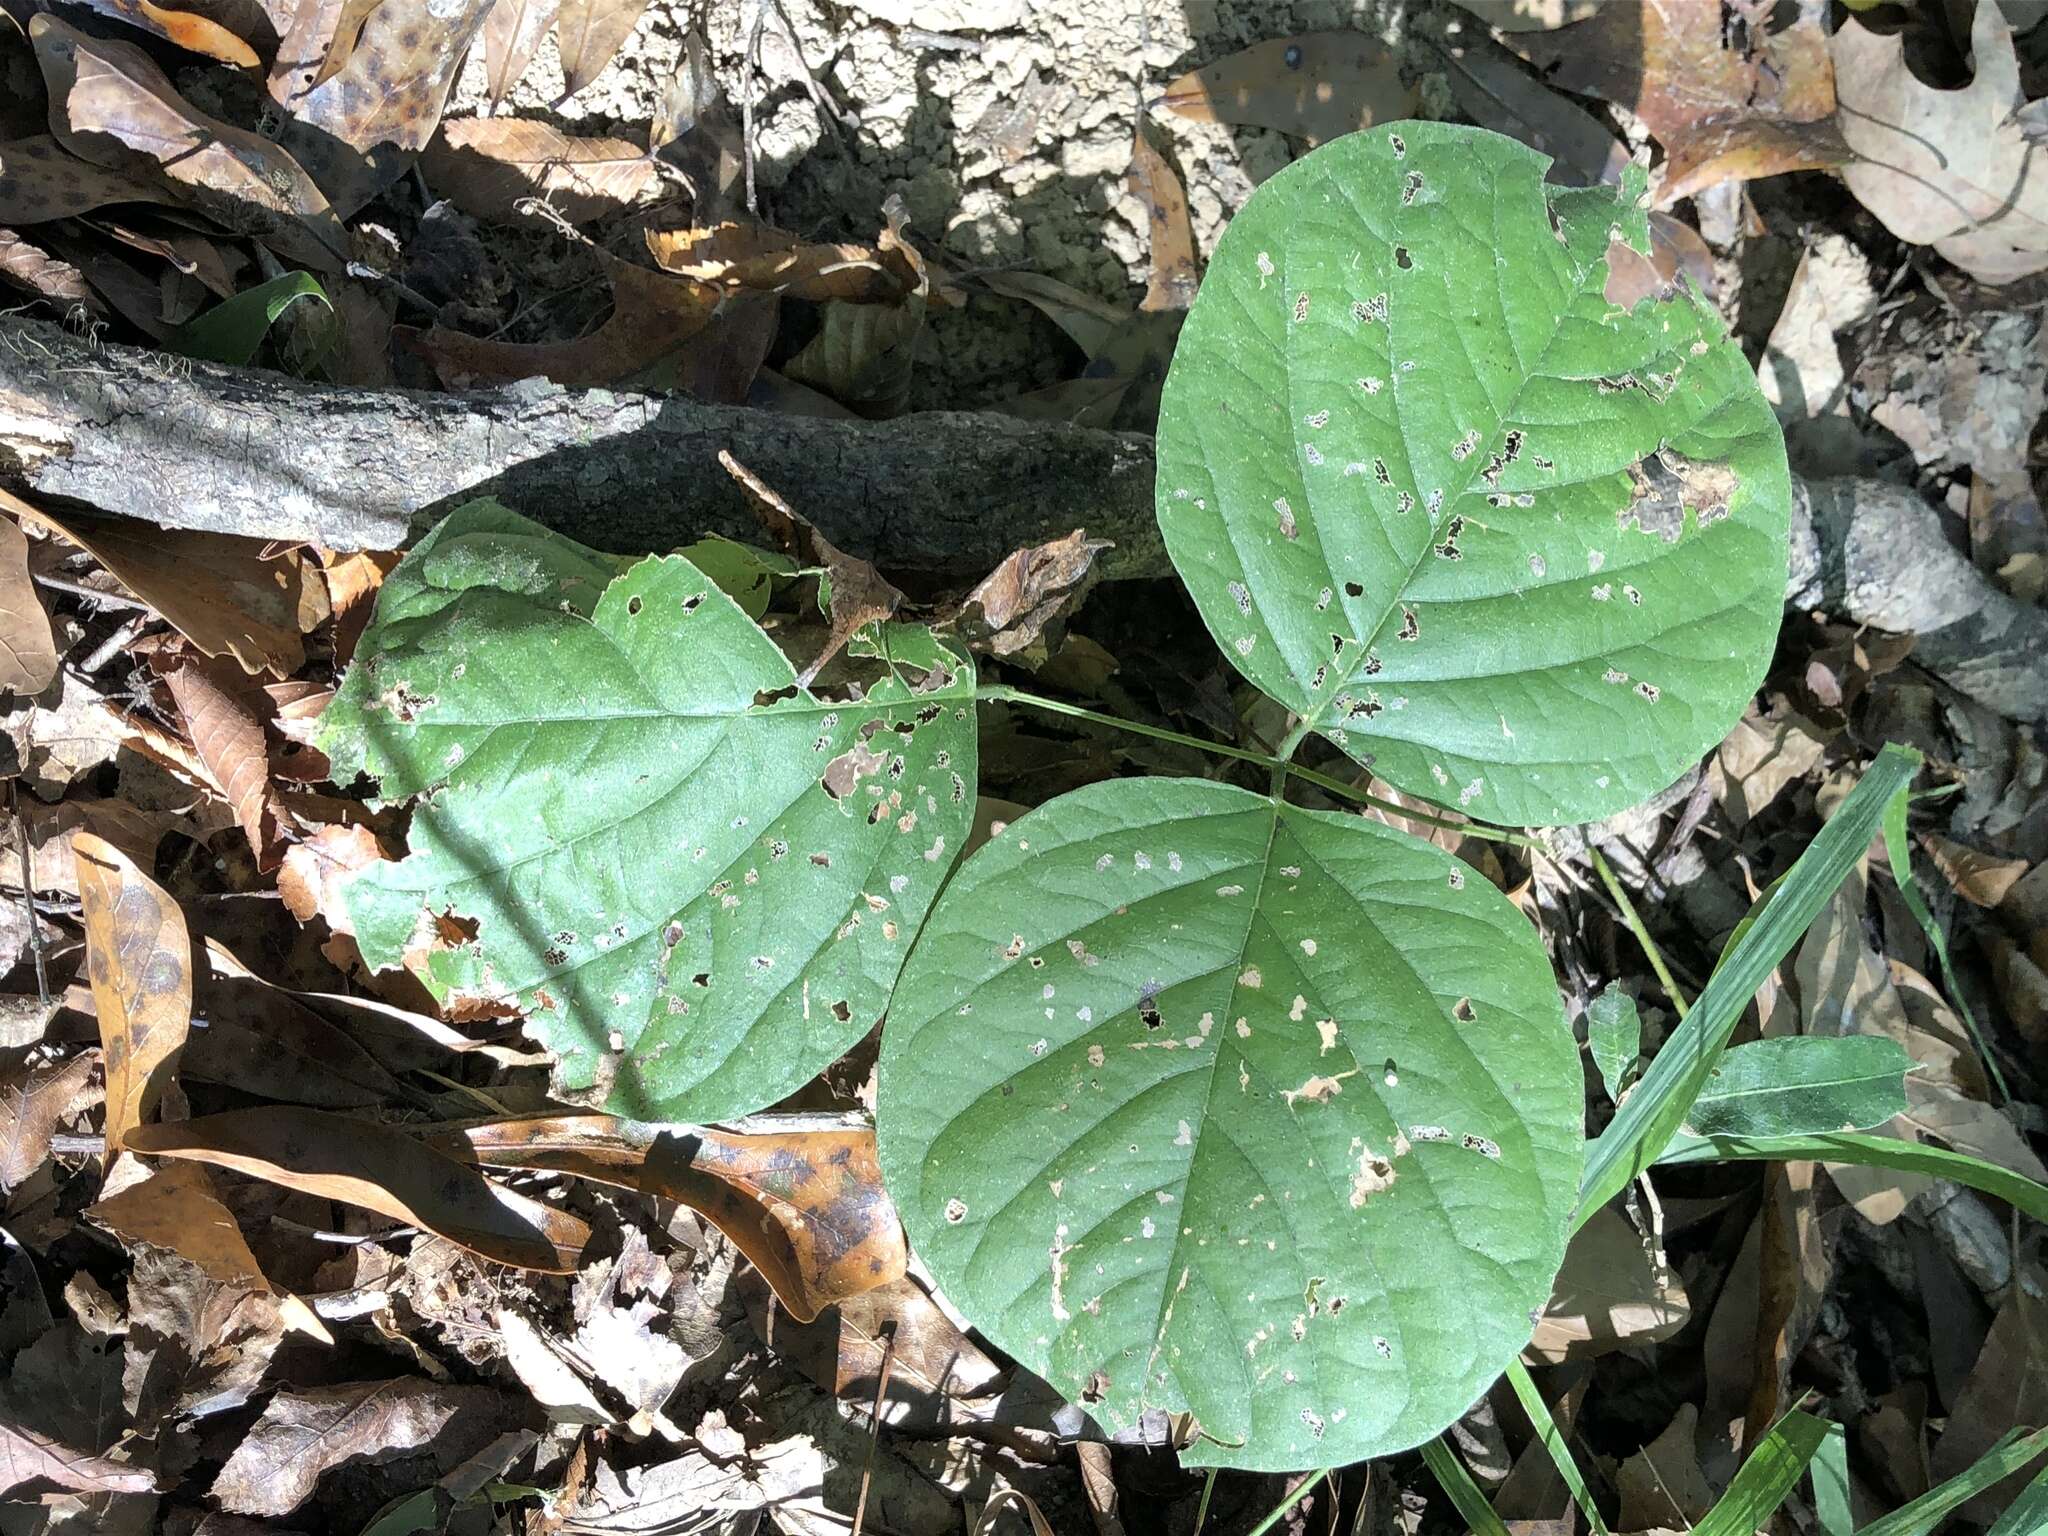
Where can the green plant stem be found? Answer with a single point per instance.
(1202, 1509)
(1002, 693)
(1634, 920)
(1554, 1442)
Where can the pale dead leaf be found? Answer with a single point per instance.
(487, 166)
(1609, 1294)
(1762, 755)
(28, 651)
(33, 1462)
(743, 254)
(32, 1102)
(224, 718)
(315, 872)
(1151, 181)
(1981, 879)
(590, 32)
(186, 26)
(140, 962)
(512, 36)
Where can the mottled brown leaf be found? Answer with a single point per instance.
(486, 166)
(49, 277)
(1009, 610)
(216, 590)
(512, 36)
(348, 31)
(381, 1170)
(111, 105)
(28, 651)
(359, 131)
(31, 1463)
(305, 1433)
(653, 314)
(1315, 86)
(1981, 879)
(41, 181)
(590, 32)
(224, 717)
(315, 871)
(1152, 182)
(140, 962)
(806, 1206)
(865, 355)
(742, 254)
(32, 1101)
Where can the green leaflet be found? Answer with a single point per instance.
(1196, 1101)
(1614, 1035)
(696, 878)
(1802, 1085)
(1520, 550)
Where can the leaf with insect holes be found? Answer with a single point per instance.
(1195, 1101)
(1515, 547)
(696, 876)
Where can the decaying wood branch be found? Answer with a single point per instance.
(941, 495)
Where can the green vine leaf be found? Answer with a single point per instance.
(696, 877)
(1197, 1101)
(1518, 549)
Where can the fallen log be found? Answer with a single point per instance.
(939, 496)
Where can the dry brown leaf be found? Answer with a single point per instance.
(1315, 86)
(1762, 755)
(653, 314)
(865, 355)
(186, 27)
(1495, 91)
(806, 1206)
(216, 590)
(305, 1433)
(1172, 247)
(1008, 611)
(224, 717)
(1981, 879)
(1661, 1486)
(32, 1463)
(859, 595)
(28, 651)
(1951, 169)
(1608, 1294)
(589, 33)
(315, 871)
(487, 166)
(512, 36)
(743, 254)
(360, 130)
(347, 32)
(381, 1170)
(32, 1101)
(934, 1367)
(53, 868)
(29, 266)
(2007, 1386)
(140, 962)
(41, 181)
(1718, 111)
(111, 105)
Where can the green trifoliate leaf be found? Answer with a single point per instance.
(1519, 549)
(1196, 1101)
(698, 879)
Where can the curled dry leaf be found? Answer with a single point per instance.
(216, 590)
(806, 1206)
(1981, 879)
(360, 130)
(29, 266)
(316, 871)
(512, 36)
(653, 314)
(305, 1433)
(111, 105)
(224, 717)
(589, 33)
(743, 254)
(1316, 86)
(1009, 610)
(381, 1170)
(28, 651)
(185, 26)
(1610, 1293)
(32, 1463)
(865, 355)
(140, 962)
(854, 592)
(32, 1101)
(1951, 169)
(487, 166)
(1152, 182)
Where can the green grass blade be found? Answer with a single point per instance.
(1769, 1473)
(1465, 1494)
(2028, 1514)
(1553, 1442)
(1658, 1106)
(1833, 1509)
(1900, 851)
(233, 329)
(2016, 1189)
(1994, 1466)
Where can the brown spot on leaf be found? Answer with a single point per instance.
(1667, 485)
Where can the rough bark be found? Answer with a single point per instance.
(941, 495)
